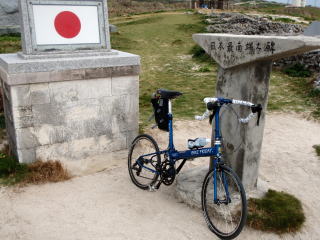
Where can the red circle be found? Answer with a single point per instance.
(67, 24)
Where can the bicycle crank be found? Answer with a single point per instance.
(168, 173)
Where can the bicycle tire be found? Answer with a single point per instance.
(147, 145)
(214, 210)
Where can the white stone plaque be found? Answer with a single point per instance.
(64, 25)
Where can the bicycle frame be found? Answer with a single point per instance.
(175, 155)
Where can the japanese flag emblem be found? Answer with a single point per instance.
(58, 24)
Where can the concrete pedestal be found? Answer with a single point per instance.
(69, 108)
(244, 82)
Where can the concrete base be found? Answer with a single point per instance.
(189, 186)
(69, 109)
(248, 83)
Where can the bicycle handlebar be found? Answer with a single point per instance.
(256, 109)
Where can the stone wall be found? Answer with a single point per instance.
(310, 60)
(71, 114)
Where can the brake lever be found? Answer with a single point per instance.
(257, 109)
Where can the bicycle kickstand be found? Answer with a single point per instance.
(154, 187)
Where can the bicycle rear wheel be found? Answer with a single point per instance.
(142, 161)
(227, 215)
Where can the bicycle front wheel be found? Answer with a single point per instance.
(143, 160)
(226, 211)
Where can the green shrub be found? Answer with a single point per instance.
(297, 70)
(317, 148)
(9, 167)
(199, 54)
(276, 212)
(314, 92)
(204, 69)
(285, 20)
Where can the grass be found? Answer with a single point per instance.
(170, 59)
(164, 47)
(317, 149)
(276, 212)
(43, 172)
(146, 20)
(12, 172)
(285, 20)
(130, 7)
(9, 44)
(293, 94)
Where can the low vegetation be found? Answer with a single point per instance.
(285, 20)
(130, 7)
(297, 70)
(9, 44)
(276, 212)
(12, 172)
(317, 149)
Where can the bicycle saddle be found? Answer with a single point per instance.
(167, 94)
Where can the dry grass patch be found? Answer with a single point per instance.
(42, 172)
(12, 172)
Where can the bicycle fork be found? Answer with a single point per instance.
(223, 179)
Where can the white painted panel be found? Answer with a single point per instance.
(46, 33)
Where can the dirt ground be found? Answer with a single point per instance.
(106, 205)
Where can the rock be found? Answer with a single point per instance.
(237, 23)
(189, 185)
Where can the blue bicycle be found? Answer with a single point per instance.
(223, 197)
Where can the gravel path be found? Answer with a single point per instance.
(106, 205)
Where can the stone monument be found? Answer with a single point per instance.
(68, 95)
(245, 64)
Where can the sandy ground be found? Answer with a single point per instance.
(106, 205)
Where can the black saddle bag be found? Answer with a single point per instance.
(161, 110)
